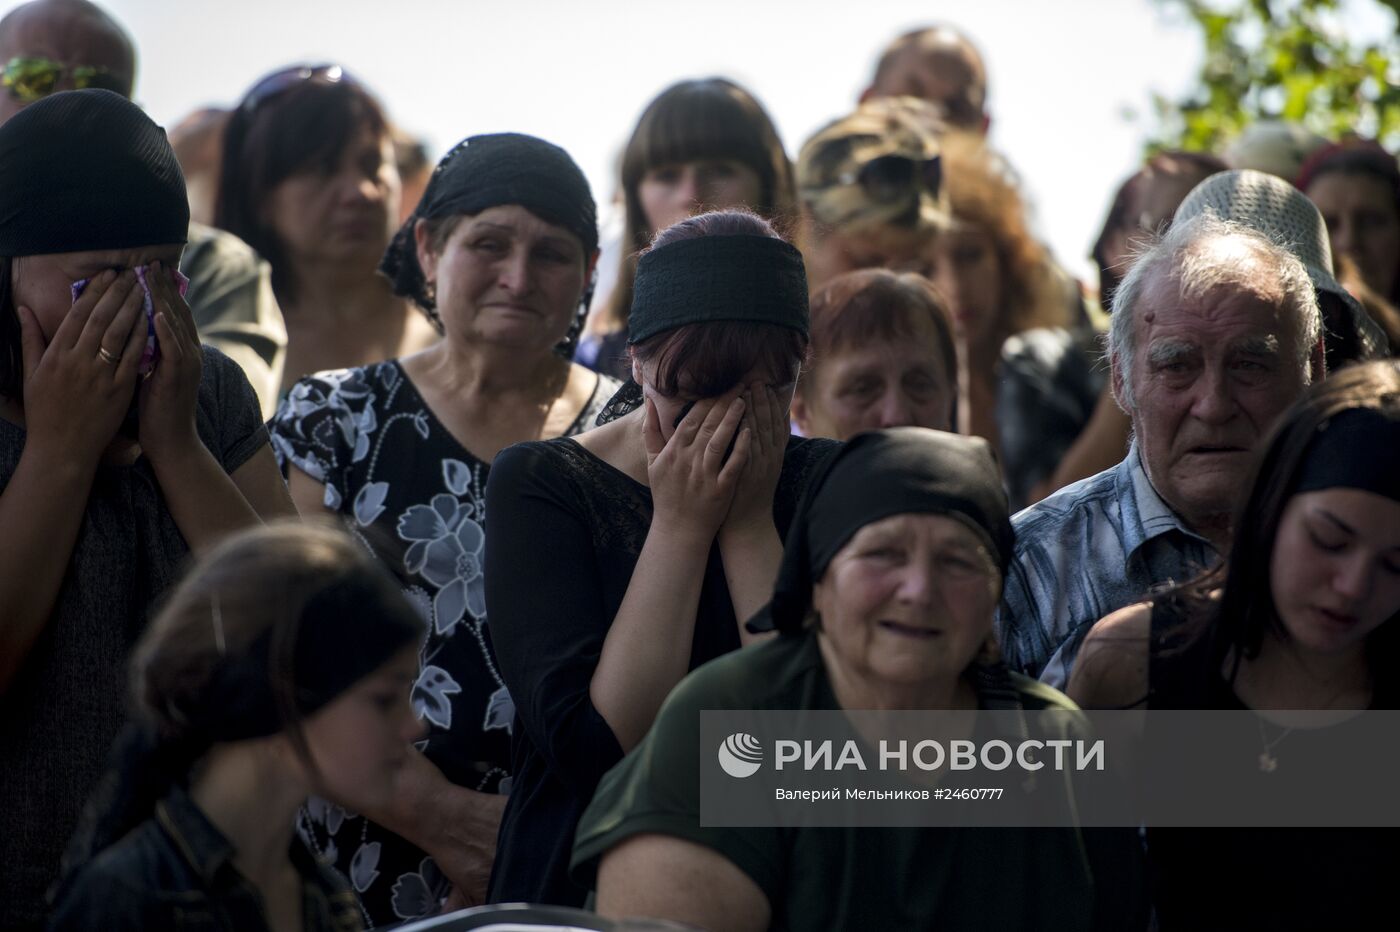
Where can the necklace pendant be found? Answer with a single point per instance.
(1267, 762)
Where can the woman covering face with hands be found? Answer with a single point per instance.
(624, 558)
(110, 476)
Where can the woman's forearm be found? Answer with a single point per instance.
(647, 649)
(41, 511)
(204, 501)
(751, 559)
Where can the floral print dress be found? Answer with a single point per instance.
(416, 498)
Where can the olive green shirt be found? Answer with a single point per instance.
(862, 878)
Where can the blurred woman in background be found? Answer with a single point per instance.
(309, 181)
(701, 145)
(882, 355)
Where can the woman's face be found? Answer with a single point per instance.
(44, 284)
(671, 193)
(506, 277)
(361, 740)
(1335, 570)
(967, 273)
(1362, 223)
(344, 216)
(671, 408)
(879, 384)
(908, 602)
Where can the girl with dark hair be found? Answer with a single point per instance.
(626, 557)
(124, 445)
(1304, 615)
(699, 145)
(309, 180)
(499, 255)
(280, 667)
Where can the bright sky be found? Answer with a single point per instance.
(579, 72)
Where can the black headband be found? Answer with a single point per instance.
(758, 279)
(1358, 448)
(876, 475)
(86, 170)
(482, 172)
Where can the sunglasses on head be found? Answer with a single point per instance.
(287, 78)
(889, 178)
(30, 79)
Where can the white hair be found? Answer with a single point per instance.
(1184, 255)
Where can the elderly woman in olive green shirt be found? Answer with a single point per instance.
(884, 601)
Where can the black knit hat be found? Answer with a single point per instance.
(488, 171)
(85, 170)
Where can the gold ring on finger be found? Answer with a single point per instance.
(108, 356)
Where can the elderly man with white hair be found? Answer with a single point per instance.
(1215, 332)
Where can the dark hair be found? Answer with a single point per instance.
(256, 586)
(11, 346)
(876, 305)
(708, 359)
(1357, 157)
(1237, 625)
(1130, 192)
(712, 118)
(304, 127)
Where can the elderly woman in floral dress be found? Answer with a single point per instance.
(500, 254)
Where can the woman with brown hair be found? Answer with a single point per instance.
(309, 181)
(279, 668)
(625, 557)
(882, 355)
(699, 145)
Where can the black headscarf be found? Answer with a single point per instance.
(877, 475)
(86, 170)
(482, 172)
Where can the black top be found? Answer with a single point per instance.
(175, 873)
(1247, 878)
(416, 498)
(60, 714)
(567, 529)
(844, 877)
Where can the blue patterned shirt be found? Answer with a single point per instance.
(1088, 550)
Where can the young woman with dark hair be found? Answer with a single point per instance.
(279, 668)
(1305, 614)
(622, 559)
(1356, 185)
(310, 182)
(700, 145)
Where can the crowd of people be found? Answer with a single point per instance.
(835, 432)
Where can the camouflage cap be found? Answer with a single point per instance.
(878, 166)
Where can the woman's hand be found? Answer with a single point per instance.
(169, 395)
(752, 507)
(78, 389)
(692, 485)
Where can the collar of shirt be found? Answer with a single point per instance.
(1142, 513)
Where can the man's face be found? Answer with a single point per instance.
(1209, 375)
(943, 73)
(68, 34)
